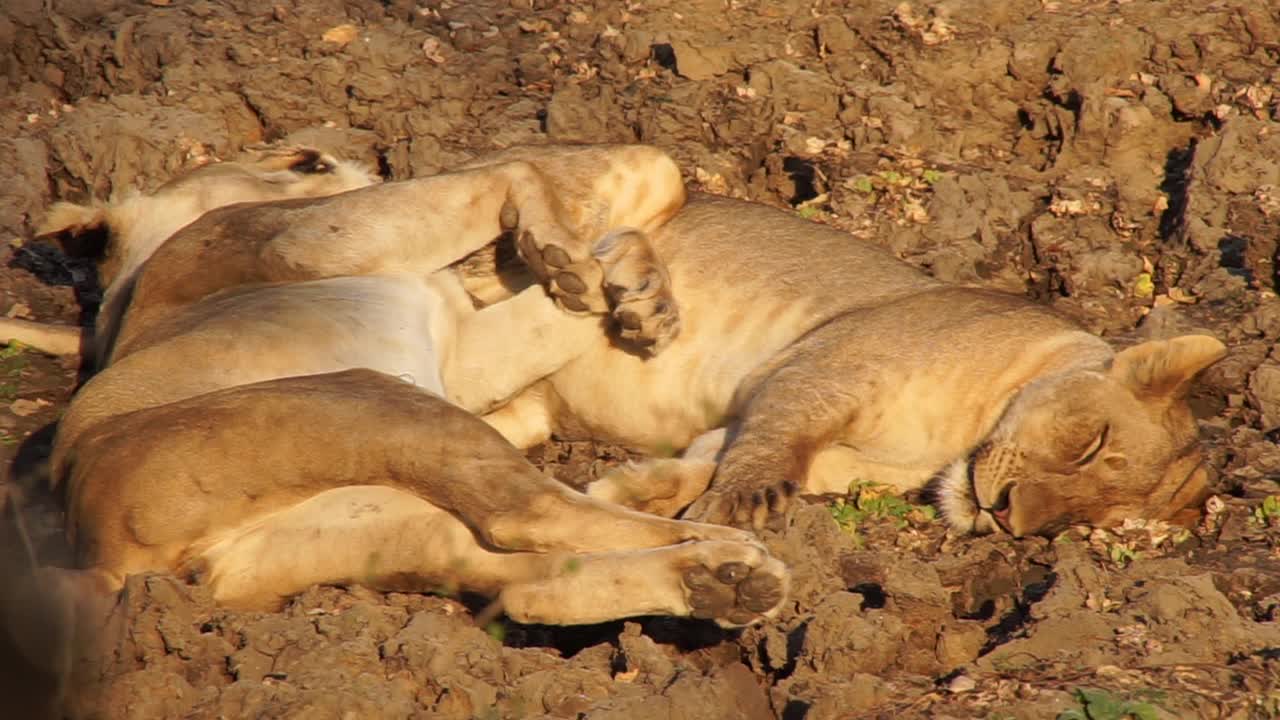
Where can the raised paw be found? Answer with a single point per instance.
(742, 506)
(638, 286)
(734, 584)
(577, 284)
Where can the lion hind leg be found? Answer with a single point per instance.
(364, 534)
(390, 540)
(664, 486)
(639, 289)
(736, 584)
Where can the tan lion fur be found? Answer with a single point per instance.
(276, 385)
(828, 362)
(120, 236)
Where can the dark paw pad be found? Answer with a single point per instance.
(570, 283)
(708, 597)
(761, 592)
(556, 257)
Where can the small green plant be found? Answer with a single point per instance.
(12, 362)
(1122, 554)
(496, 630)
(863, 184)
(869, 500)
(846, 515)
(12, 350)
(930, 175)
(808, 212)
(1096, 704)
(1268, 512)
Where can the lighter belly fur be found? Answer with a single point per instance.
(661, 404)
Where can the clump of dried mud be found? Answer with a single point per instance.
(1118, 160)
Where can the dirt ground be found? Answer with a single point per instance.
(1120, 160)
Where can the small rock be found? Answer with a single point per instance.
(341, 34)
(961, 684)
(1264, 392)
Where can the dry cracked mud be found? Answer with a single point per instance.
(1119, 160)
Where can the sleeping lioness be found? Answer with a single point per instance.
(809, 360)
(121, 236)
(272, 414)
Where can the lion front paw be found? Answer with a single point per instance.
(638, 286)
(573, 276)
(741, 505)
(734, 584)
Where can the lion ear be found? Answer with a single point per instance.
(81, 231)
(1166, 368)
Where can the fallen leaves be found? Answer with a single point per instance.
(22, 407)
(431, 49)
(932, 31)
(19, 311)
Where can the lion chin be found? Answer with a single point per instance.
(953, 494)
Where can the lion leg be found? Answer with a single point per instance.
(639, 289)
(367, 534)
(48, 338)
(661, 487)
(664, 486)
(502, 349)
(314, 433)
(527, 419)
(735, 584)
(387, 539)
(509, 346)
(804, 401)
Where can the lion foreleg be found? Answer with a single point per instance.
(789, 413)
(507, 347)
(47, 337)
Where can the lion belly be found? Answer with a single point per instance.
(660, 404)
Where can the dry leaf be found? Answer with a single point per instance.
(1062, 206)
(431, 48)
(340, 34)
(19, 311)
(23, 407)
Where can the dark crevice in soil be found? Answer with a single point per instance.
(1177, 167)
(664, 55)
(873, 596)
(795, 710)
(1019, 617)
(804, 176)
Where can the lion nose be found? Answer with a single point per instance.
(1002, 500)
(1001, 509)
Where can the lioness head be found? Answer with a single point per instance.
(1090, 447)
